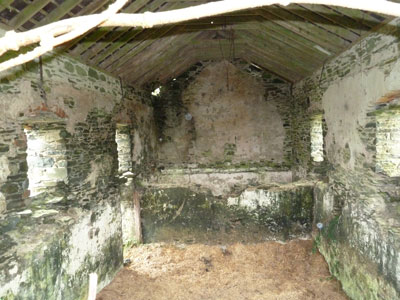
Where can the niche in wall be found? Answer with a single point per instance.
(46, 158)
(388, 142)
(123, 140)
(317, 138)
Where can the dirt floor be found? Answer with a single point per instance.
(267, 270)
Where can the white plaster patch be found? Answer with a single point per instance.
(14, 284)
(127, 221)
(317, 139)
(388, 143)
(46, 159)
(3, 205)
(99, 167)
(10, 108)
(253, 199)
(346, 103)
(232, 201)
(123, 140)
(83, 245)
(219, 183)
(137, 148)
(13, 270)
(4, 167)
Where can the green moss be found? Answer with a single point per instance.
(207, 153)
(331, 231)
(229, 150)
(69, 67)
(183, 209)
(80, 71)
(48, 73)
(4, 148)
(92, 73)
(9, 188)
(358, 276)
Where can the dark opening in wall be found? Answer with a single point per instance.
(46, 158)
(123, 140)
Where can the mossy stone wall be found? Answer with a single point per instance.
(50, 242)
(189, 215)
(358, 204)
(224, 114)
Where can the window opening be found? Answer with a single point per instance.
(46, 159)
(317, 138)
(388, 142)
(123, 140)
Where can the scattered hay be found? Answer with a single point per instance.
(267, 270)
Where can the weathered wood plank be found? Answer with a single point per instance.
(5, 4)
(310, 51)
(27, 13)
(337, 18)
(157, 56)
(281, 62)
(358, 15)
(129, 50)
(103, 49)
(155, 50)
(324, 23)
(93, 7)
(297, 24)
(59, 12)
(281, 54)
(167, 73)
(281, 71)
(115, 34)
(132, 8)
(151, 36)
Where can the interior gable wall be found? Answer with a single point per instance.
(55, 239)
(359, 206)
(224, 133)
(232, 119)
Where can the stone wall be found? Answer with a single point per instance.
(51, 240)
(186, 214)
(222, 127)
(221, 114)
(388, 141)
(359, 203)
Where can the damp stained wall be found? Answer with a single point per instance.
(224, 115)
(223, 128)
(358, 202)
(51, 241)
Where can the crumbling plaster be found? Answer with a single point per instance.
(358, 206)
(346, 105)
(75, 228)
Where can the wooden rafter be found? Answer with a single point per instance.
(290, 41)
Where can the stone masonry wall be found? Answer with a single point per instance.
(358, 204)
(186, 214)
(222, 127)
(50, 241)
(388, 142)
(224, 115)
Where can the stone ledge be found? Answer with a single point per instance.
(219, 182)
